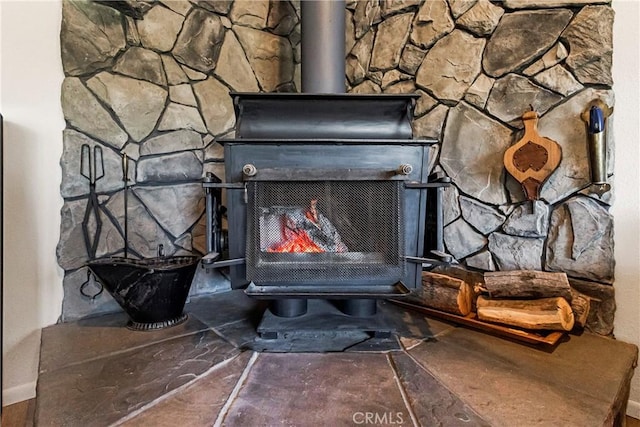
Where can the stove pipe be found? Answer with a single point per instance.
(323, 40)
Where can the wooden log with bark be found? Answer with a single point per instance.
(538, 314)
(580, 305)
(524, 284)
(446, 293)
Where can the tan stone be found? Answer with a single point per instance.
(233, 67)
(558, 79)
(175, 74)
(252, 13)
(431, 23)
(270, 56)
(177, 116)
(159, 28)
(391, 38)
(479, 91)
(216, 105)
(182, 94)
(458, 7)
(482, 18)
(358, 60)
(430, 125)
(519, 4)
(555, 55)
(142, 64)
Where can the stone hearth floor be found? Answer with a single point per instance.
(205, 372)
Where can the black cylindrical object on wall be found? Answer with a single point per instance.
(323, 53)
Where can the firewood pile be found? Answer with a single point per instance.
(526, 299)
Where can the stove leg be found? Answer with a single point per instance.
(358, 307)
(289, 307)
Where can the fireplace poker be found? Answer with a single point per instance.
(92, 168)
(125, 180)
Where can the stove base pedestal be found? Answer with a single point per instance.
(323, 316)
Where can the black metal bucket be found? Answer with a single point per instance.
(151, 291)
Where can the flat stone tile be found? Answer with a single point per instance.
(506, 382)
(318, 389)
(311, 342)
(102, 391)
(226, 307)
(241, 334)
(69, 343)
(199, 403)
(433, 404)
(410, 324)
(376, 345)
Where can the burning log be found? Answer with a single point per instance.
(523, 284)
(539, 314)
(446, 293)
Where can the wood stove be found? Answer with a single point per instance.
(326, 199)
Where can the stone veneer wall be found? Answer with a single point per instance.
(157, 89)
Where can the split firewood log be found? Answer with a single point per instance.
(545, 313)
(580, 305)
(523, 284)
(446, 293)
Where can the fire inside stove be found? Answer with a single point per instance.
(324, 231)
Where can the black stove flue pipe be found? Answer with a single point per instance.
(323, 40)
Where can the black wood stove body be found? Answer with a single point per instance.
(326, 200)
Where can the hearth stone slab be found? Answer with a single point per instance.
(198, 404)
(317, 389)
(220, 309)
(583, 381)
(88, 339)
(104, 390)
(433, 404)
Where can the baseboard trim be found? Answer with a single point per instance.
(633, 409)
(18, 393)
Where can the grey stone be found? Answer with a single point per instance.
(590, 40)
(521, 37)
(91, 35)
(394, 6)
(564, 125)
(451, 205)
(175, 74)
(554, 56)
(77, 306)
(177, 116)
(199, 41)
(451, 66)
(252, 14)
(144, 233)
(572, 248)
(282, 18)
(131, 32)
(137, 104)
(431, 23)
(217, 169)
(83, 111)
(424, 104)
(390, 39)
(462, 240)
(527, 4)
(132, 150)
(530, 219)
(179, 6)
(214, 151)
(430, 125)
(472, 151)
(358, 59)
(217, 6)
(71, 252)
(411, 58)
(603, 305)
(481, 261)
(208, 281)
(482, 18)
(513, 94)
(270, 56)
(170, 168)
(141, 64)
(516, 253)
(366, 14)
(72, 185)
(216, 105)
(164, 203)
(366, 86)
(482, 217)
(458, 7)
(479, 91)
(558, 79)
(233, 67)
(159, 28)
(180, 140)
(183, 94)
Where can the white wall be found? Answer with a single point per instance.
(626, 209)
(31, 75)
